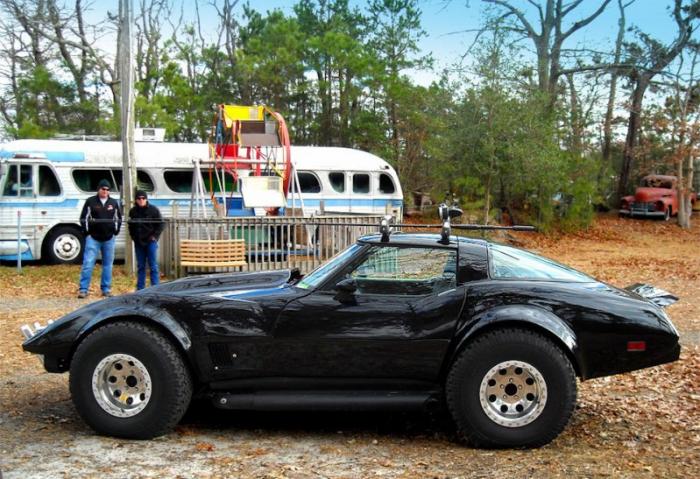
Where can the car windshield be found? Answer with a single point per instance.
(317, 276)
(513, 263)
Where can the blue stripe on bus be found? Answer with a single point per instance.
(329, 202)
(71, 203)
(27, 255)
(9, 203)
(54, 156)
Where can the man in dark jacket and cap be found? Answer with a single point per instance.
(145, 227)
(100, 220)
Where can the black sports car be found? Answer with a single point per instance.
(498, 333)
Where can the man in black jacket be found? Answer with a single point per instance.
(145, 226)
(101, 220)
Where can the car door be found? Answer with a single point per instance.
(396, 324)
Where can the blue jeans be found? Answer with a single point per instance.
(92, 247)
(146, 254)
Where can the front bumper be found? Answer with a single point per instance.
(643, 213)
(29, 332)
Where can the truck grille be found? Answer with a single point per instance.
(643, 206)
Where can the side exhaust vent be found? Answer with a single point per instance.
(220, 354)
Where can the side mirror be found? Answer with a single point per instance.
(347, 286)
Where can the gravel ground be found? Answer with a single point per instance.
(642, 424)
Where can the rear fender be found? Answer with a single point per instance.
(525, 316)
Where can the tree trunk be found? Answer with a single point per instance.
(607, 124)
(576, 143)
(632, 133)
(684, 192)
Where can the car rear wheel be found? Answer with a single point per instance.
(511, 388)
(128, 380)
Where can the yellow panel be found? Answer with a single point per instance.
(240, 112)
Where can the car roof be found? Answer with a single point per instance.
(420, 239)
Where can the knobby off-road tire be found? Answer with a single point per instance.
(128, 380)
(511, 388)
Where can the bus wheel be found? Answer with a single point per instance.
(64, 245)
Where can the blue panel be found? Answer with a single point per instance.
(54, 156)
(240, 212)
(234, 203)
(26, 256)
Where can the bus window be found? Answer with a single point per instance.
(11, 188)
(337, 180)
(48, 183)
(180, 181)
(386, 184)
(308, 183)
(19, 184)
(360, 183)
(144, 181)
(117, 174)
(87, 180)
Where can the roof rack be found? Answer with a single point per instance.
(446, 213)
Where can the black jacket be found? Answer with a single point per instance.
(145, 223)
(101, 222)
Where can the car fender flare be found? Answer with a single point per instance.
(161, 318)
(527, 316)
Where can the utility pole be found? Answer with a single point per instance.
(126, 79)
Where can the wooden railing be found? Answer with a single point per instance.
(270, 242)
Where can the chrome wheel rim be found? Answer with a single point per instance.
(513, 393)
(121, 385)
(66, 247)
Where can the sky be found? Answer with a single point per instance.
(450, 24)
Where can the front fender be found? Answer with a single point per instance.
(157, 315)
(527, 316)
(59, 340)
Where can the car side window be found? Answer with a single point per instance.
(406, 271)
(514, 263)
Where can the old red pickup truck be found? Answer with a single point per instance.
(655, 197)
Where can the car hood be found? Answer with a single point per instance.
(224, 285)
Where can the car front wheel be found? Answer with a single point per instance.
(128, 380)
(511, 388)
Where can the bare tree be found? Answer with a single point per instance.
(548, 35)
(657, 58)
(614, 75)
(151, 16)
(684, 115)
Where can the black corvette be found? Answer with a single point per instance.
(498, 333)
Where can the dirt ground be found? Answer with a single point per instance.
(641, 424)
